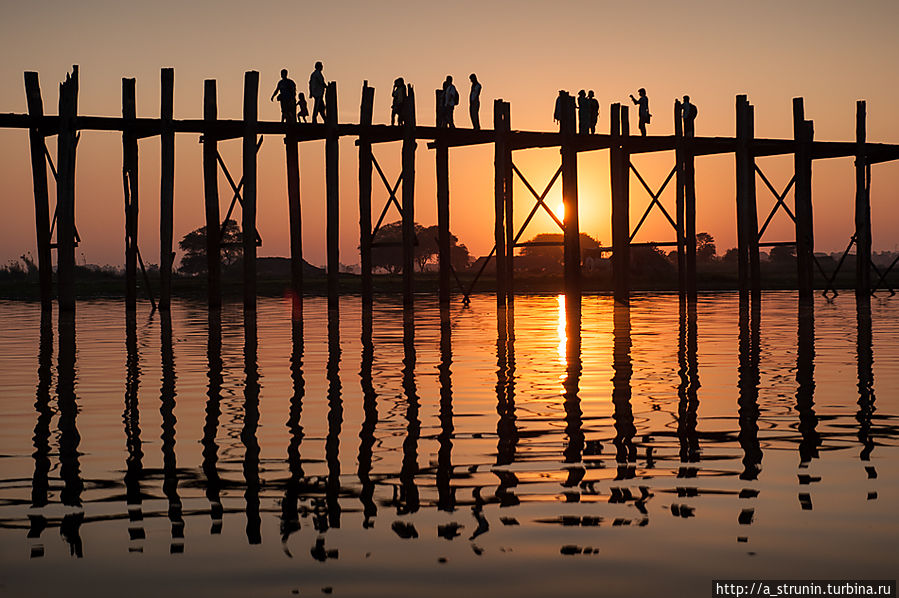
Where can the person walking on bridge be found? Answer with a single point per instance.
(643, 111)
(317, 92)
(286, 90)
(474, 102)
(450, 101)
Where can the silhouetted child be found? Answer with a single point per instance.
(303, 107)
(643, 112)
(286, 90)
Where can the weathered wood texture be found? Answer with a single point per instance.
(67, 141)
(41, 190)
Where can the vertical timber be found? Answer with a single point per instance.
(741, 156)
(803, 134)
(211, 197)
(408, 170)
(129, 175)
(67, 141)
(500, 155)
(752, 216)
(166, 186)
(250, 117)
(292, 157)
(679, 201)
(572, 241)
(332, 182)
(619, 174)
(507, 208)
(41, 192)
(444, 251)
(365, 168)
(862, 206)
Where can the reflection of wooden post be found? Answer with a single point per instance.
(292, 155)
(250, 116)
(679, 201)
(166, 187)
(803, 133)
(571, 236)
(444, 254)
(41, 193)
(65, 191)
(752, 217)
(129, 172)
(408, 197)
(742, 174)
(620, 174)
(333, 194)
(365, 165)
(500, 154)
(211, 196)
(862, 206)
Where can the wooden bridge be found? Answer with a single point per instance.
(67, 124)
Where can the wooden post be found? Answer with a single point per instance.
(41, 193)
(508, 211)
(129, 174)
(292, 157)
(752, 216)
(365, 166)
(166, 187)
(332, 182)
(408, 197)
(689, 171)
(862, 206)
(742, 173)
(803, 134)
(250, 116)
(500, 154)
(679, 201)
(211, 197)
(572, 233)
(65, 191)
(620, 174)
(444, 254)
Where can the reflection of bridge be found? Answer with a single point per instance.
(746, 148)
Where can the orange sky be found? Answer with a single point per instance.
(830, 52)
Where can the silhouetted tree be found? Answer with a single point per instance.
(193, 245)
(782, 254)
(705, 247)
(553, 253)
(390, 256)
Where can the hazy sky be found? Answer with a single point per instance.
(830, 52)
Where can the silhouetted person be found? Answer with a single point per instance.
(583, 113)
(450, 101)
(689, 114)
(303, 107)
(474, 102)
(399, 100)
(286, 90)
(317, 92)
(559, 110)
(643, 103)
(594, 111)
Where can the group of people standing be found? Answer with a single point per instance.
(294, 108)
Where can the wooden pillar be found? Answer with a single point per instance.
(333, 194)
(741, 156)
(365, 166)
(500, 155)
(752, 216)
(41, 192)
(166, 187)
(444, 244)
(507, 210)
(619, 158)
(408, 162)
(572, 232)
(862, 206)
(250, 116)
(211, 197)
(292, 157)
(679, 201)
(803, 134)
(65, 191)
(129, 174)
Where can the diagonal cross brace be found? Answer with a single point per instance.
(654, 202)
(780, 200)
(56, 178)
(540, 203)
(236, 188)
(392, 196)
